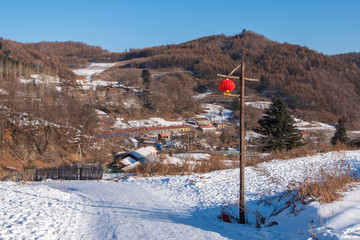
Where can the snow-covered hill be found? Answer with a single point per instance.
(179, 207)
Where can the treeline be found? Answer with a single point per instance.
(318, 86)
(350, 58)
(49, 58)
(24, 59)
(76, 54)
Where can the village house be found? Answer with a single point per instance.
(102, 115)
(220, 126)
(165, 136)
(202, 121)
(103, 126)
(169, 129)
(207, 129)
(144, 133)
(305, 134)
(135, 158)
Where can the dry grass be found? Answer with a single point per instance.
(306, 150)
(162, 166)
(328, 185)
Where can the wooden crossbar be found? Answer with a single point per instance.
(235, 77)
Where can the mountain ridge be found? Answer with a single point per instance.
(317, 86)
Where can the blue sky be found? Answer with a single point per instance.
(329, 27)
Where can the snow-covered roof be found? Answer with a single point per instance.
(165, 134)
(142, 153)
(127, 161)
(137, 157)
(99, 112)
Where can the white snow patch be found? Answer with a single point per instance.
(93, 69)
(259, 104)
(202, 95)
(151, 122)
(312, 126)
(3, 92)
(90, 72)
(216, 113)
(180, 158)
(36, 211)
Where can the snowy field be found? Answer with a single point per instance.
(120, 123)
(216, 113)
(90, 72)
(178, 207)
(313, 126)
(259, 104)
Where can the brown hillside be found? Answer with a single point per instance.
(318, 86)
(27, 56)
(75, 54)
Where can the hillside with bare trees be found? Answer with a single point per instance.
(317, 86)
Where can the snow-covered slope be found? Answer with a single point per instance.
(90, 72)
(93, 69)
(179, 207)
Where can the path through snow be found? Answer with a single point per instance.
(178, 207)
(127, 211)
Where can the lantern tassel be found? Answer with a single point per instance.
(227, 93)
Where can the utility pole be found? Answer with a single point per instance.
(79, 152)
(242, 219)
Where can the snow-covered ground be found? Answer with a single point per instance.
(90, 72)
(40, 79)
(312, 126)
(151, 122)
(216, 113)
(203, 95)
(180, 158)
(179, 207)
(93, 69)
(259, 104)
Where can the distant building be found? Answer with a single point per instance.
(207, 129)
(220, 126)
(135, 158)
(142, 131)
(305, 134)
(202, 121)
(102, 115)
(169, 129)
(165, 136)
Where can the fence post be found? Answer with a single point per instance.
(78, 172)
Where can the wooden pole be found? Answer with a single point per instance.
(242, 78)
(241, 139)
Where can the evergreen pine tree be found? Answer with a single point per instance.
(278, 129)
(146, 76)
(340, 133)
(235, 104)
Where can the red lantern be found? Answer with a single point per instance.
(226, 86)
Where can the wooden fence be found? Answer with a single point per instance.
(68, 172)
